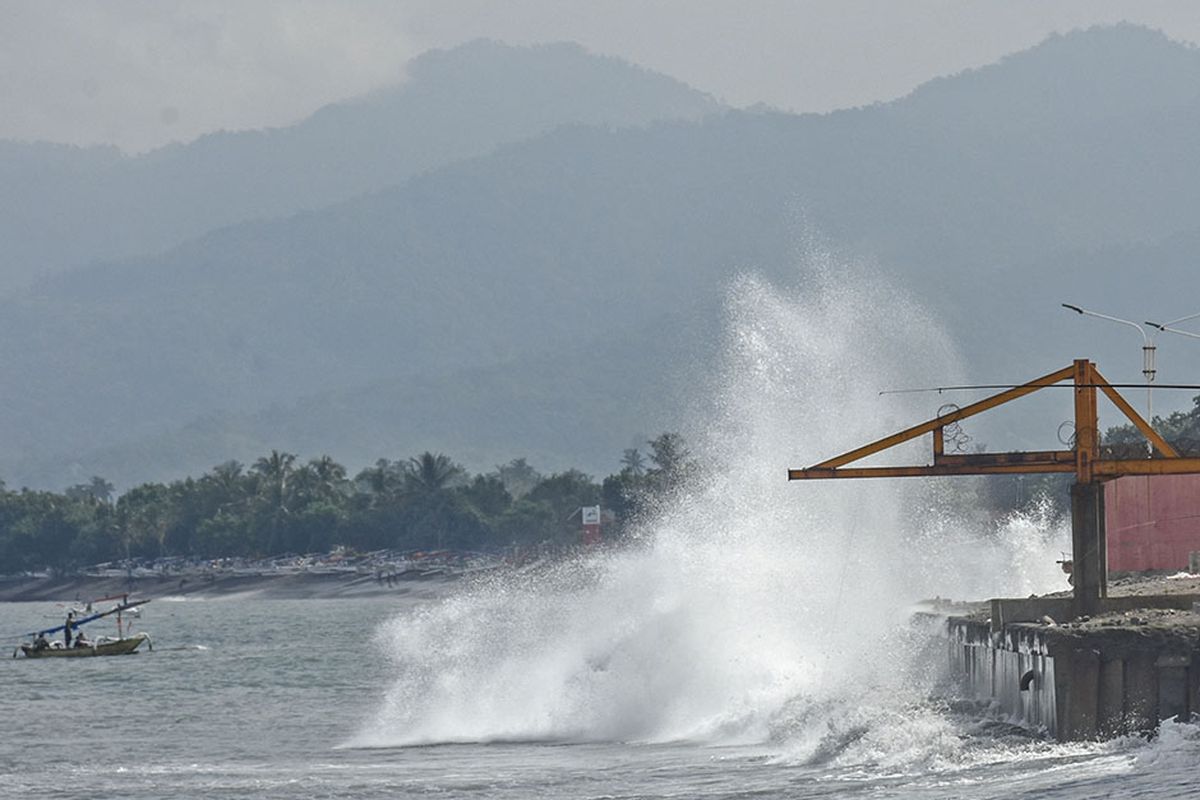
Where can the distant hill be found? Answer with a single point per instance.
(64, 206)
(464, 305)
(529, 407)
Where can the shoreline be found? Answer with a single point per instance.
(267, 586)
(302, 585)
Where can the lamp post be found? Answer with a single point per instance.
(1148, 369)
(1166, 326)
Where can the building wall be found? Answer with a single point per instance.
(1152, 521)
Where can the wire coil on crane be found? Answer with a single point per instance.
(954, 438)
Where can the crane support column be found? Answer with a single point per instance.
(1089, 575)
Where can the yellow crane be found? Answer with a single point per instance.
(1084, 459)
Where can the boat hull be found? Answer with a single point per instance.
(121, 647)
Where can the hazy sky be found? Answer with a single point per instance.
(139, 73)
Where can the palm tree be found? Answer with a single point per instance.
(330, 477)
(380, 481)
(428, 472)
(97, 491)
(274, 471)
(304, 487)
(228, 476)
(518, 477)
(634, 462)
(100, 489)
(228, 480)
(669, 453)
(673, 464)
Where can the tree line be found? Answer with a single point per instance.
(280, 505)
(1180, 428)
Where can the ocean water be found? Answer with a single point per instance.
(263, 698)
(752, 639)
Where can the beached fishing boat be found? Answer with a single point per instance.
(81, 647)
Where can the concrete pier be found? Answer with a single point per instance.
(1122, 671)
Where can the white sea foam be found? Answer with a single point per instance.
(751, 609)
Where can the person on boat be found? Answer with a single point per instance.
(81, 640)
(67, 628)
(40, 642)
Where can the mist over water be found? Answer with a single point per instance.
(750, 610)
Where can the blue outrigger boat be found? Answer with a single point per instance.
(41, 647)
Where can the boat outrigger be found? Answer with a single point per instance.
(82, 647)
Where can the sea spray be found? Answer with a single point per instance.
(749, 609)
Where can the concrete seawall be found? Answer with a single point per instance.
(1123, 671)
(993, 669)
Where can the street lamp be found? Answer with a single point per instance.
(1147, 351)
(1166, 326)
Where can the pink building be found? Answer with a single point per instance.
(1153, 522)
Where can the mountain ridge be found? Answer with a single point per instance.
(70, 206)
(552, 245)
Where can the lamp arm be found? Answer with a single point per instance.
(1181, 333)
(1181, 319)
(1134, 325)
